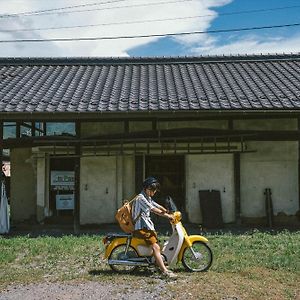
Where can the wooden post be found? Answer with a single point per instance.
(299, 161)
(44, 128)
(237, 179)
(77, 179)
(18, 130)
(32, 128)
(1, 155)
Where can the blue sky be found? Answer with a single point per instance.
(261, 39)
(128, 11)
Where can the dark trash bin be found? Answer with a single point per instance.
(211, 209)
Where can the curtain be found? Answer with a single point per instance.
(4, 213)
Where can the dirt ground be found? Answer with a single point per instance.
(86, 290)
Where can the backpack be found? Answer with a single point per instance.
(124, 216)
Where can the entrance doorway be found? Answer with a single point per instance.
(169, 170)
(62, 184)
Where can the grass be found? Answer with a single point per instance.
(255, 265)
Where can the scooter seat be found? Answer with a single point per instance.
(118, 235)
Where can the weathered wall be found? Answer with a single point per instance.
(23, 185)
(102, 128)
(219, 124)
(128, 177)
(105, 181)
(275, 166)
(272, 124)
(135, 126)
(98, 190)
(209, 172)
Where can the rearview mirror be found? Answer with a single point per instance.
(170, 204)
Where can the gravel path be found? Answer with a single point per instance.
(86, 290)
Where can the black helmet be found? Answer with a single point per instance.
(151, 183)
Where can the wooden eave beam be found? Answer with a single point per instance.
(251, 136)
(175, 115)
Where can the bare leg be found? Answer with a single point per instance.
(158, 258)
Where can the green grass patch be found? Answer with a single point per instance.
(246, 266)
(274, 251)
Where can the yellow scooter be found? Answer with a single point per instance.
(124, 253)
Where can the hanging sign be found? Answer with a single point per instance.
(65, 178)
(65, 202)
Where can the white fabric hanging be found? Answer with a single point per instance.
(4, 214)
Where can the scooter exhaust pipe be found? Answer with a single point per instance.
(127, 262)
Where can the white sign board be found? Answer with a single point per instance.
(59, 178)
(65, 201)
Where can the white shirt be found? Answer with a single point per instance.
(141, 211)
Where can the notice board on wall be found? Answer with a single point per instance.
(211, 209)
(64, 201)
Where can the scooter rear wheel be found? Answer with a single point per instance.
(118, 253)
(198, 260)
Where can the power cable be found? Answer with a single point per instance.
(148, 35)
(59, 8)
(95, 9)
(153, 20)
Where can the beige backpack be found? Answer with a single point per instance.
(124, 216)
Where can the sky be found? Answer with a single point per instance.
(43, 19)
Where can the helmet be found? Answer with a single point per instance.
(151, 183)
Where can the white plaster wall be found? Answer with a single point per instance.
(23, 185)
(275, 166)
(98, 189)
(128, 177)
(209, 172)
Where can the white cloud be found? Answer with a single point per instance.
(252, 45)
(102, 47)
(203, 44)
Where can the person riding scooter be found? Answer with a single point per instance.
(144, 227)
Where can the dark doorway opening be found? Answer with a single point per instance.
(62, 187)
(169, 170)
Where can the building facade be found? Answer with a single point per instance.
(228, 124)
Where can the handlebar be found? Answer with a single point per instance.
(176, 218)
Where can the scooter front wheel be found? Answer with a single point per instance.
(197, 258)
(119, 253)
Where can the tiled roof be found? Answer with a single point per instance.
(142, 84)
